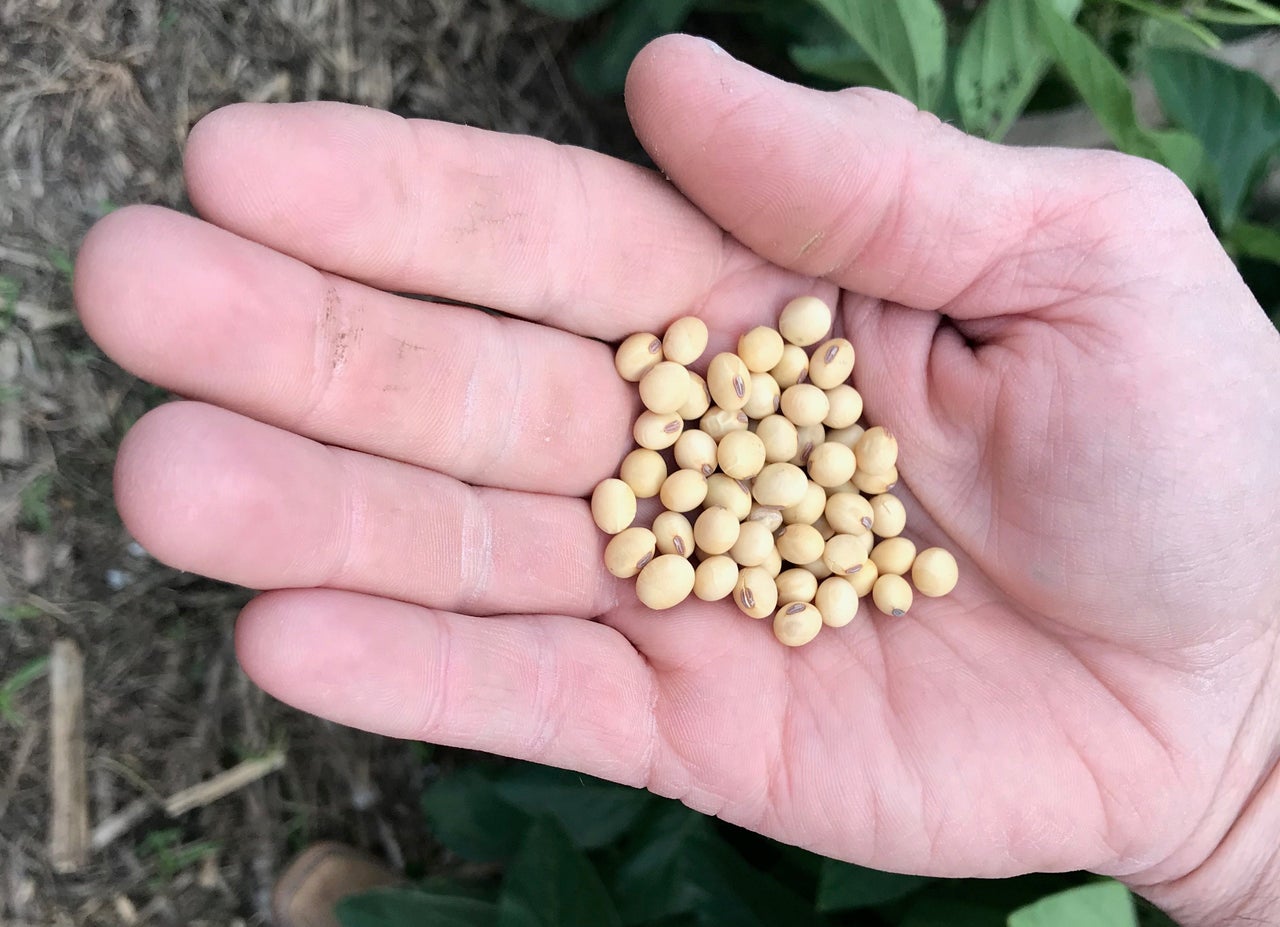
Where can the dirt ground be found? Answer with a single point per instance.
(96, 98)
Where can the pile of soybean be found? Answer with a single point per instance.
(774, 491)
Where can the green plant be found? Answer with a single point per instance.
(22, 678)
(33, 503)
(170, 855)
(573, 851)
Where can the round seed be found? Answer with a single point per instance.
(767, 515)
(683, 491)
(674, 534)
(831, 364)
(844, 555)
(873, 484)
(665, 388)
(685, 340)
(637, 356)
(848, 436)
(643, 470)
(780, 484)
(807, 510)
(760, 349)
(766, 396)
(753, 545)
(934, 572)
(819, 570)
(893, 555)
(696, 450)
(844, 408)
(613, 506)
(793, 368)
(804, 404)
(807, 438)
(629, 551)
(864, 579)
(726, 492)
(665, 582)
(657, 432)
(729, 381)
(837, 601)
(698, 401)
(831, 464)
(755, 593)
(892, 595)
(888, 515)
(796, 585)
(805, 321)
(715, 578)
(718, 422)
(797, 624)
(877, 450)
(716, 530)
(849, 513)
(824, 527)
(800, 543)
(741, 455)
(772, 563)
(779, 437)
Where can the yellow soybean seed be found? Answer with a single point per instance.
(741, 455)
(772, 563)
(844, 555)
(800, 543)
(849, 513)
(637, 355)
(804, 404)
(796, 585)
(863, 580)
(665, 582)
(734, 495)
(807, 438)
(674, 534)
(755, 593)
(753, 545)
(824, 527)
(831, 364)
(718, 422)
(729, 381)
(893, 555)
(656, 431)
(877, 450)
(807, 510)
(643, 470)
(765, 396)
(837, 601)
(767, 515)
(892, 595)
(831, 464)
(844, 408)
(665, 388)
(613, 506)
(685, 340)
(760, 349)
(797, 624)
(793, 368)
(819, 570)
(888, 515)
(873, 484)
(696, 450)
(715, 578)
(683, 491)
(716, 530)
(805, 321)
(780, 484)
(934, 572)
(779, 437)
(698, 401)
(848, 436)
(629, 551)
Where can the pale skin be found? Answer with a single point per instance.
(1086, 396)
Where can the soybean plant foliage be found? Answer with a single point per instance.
(566, 850)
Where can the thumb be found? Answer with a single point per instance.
(861, 188)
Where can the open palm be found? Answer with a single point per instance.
(1083, 390)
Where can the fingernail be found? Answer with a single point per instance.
(716, 49)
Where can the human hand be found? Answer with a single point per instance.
(1085, 393)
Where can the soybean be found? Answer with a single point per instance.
(808, 509)
(643, 470)
(877, 450)
(657, 431)
(715, 578)
(629, 551)
(796, 585)
(892, 595)
(674, 534)
(844, 555)
(792, 368)
(685, 340)
(753, 544)
(613, 506)
(637, 355)
(804, 404)
(696, 450)
(665, 388)
(807, 438)
(755, 593)
(780, 484)
(734, 495)
(729, 381)
(761, 349)
(698, 401)
(844, 408)
(800, 543)
(893, 555)
(765, 397)
(847, 436)
(849, 513)
(716, 530)
(781, 442)
(683, 491)
(837, 601)
(831, 364)
(805, 321)
(934, 572)
(741, 455)
(831, 464)
(665, 582)
(797, 624)
(888, 515)
(718, 422)
(863, 580)
(873, 484)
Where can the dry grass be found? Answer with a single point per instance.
(96, 98)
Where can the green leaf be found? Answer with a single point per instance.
(592, 812)
(472, 819)
(406, 907)
(934, 912)
(568, 9)
(1101, 904)
(22, 677)
(1001, 61)
(845, 64)
(1183, 154)
(551, 884)
(602, 64)
(1260, 242)
(906, 39)
(843, 885)
(1234, 114)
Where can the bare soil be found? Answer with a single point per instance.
(96, 99)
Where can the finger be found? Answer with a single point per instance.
(861, 188)
(209, 491)
(545, 688)
(214, 317)
(544, 231)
